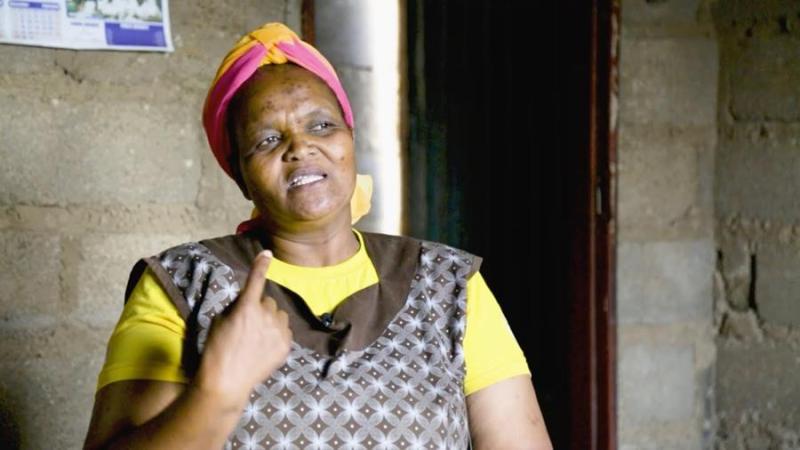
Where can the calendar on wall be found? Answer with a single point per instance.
(34, 20)
(87, 24)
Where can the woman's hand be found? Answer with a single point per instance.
(243, 348)
(244, 345)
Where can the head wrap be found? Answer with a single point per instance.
(272, 43)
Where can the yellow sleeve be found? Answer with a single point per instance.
(491, 352)
(148, 340)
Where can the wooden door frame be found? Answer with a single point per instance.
(593, 318)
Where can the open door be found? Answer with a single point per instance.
(510, 149)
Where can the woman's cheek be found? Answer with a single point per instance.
(256, 175)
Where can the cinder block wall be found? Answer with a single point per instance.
(103, 161)
(757, 198)
(667, 139)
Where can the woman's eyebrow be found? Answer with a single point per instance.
(268, 110)
(318, 111)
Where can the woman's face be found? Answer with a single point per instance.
(295, 151)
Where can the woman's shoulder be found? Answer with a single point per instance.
(185, 267)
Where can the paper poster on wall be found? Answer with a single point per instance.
(87, 24)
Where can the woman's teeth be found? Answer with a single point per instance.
(306, 179)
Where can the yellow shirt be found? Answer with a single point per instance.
(148, 339)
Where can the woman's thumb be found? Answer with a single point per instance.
(257, 278)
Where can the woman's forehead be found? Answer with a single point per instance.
(287, 78)
(273, 87)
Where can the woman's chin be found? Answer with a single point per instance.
(307, 209)
(311, 212)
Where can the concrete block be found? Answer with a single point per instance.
(765, 79)
(756, 172)
(656, 384)
(645, 13)
(736, 271)
(664, 282)
(777, 278)
(680, 435)
(127, 68)
(47, 382)
(93, 153)
(752, 434)
(758, 380)
(235, 18)
(343, 32)
(29, 275)
(669, 81)
(101, 272)
(26, 60)
(753, 15)
(665, 179)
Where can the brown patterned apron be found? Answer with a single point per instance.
(385, 370)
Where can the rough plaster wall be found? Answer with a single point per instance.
(667, 139)
(103, 161)
(757, 198)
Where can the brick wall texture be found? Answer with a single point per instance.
(709, 237)
(665, 255)
(757, 201)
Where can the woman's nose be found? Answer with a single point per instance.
(300, 148)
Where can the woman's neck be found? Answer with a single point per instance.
(314, 248)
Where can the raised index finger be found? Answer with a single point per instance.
(254, 286)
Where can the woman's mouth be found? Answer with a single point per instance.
(304, 180)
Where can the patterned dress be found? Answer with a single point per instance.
(385, 370)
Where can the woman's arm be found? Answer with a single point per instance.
(506, 415)
(164, 415)
(158, 414)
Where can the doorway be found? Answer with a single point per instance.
(510, 145)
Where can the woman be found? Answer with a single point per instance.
(300, 331)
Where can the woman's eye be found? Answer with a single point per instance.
(267, 142)
(320, 126)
